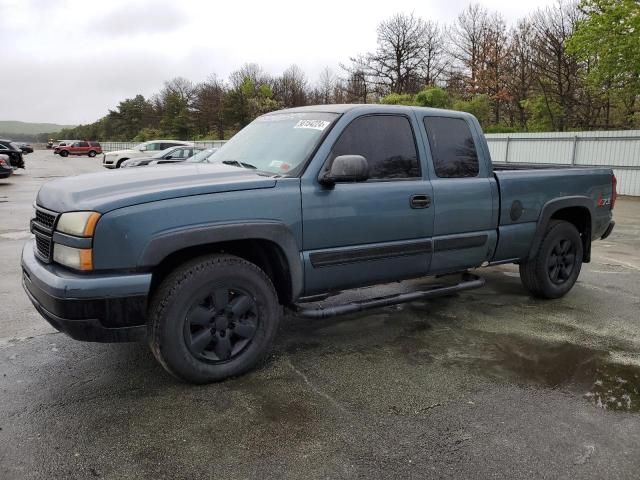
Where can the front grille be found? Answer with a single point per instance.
(43, 246)
(42, 227)
(45, 219)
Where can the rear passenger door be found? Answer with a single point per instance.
(464, 229)
(82, 148)
(369, 232)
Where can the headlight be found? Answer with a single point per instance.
(80, 224)
(77, 258)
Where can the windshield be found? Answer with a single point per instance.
(203, 156)
(277, 143)
(162, 153)
(15, 145)
(140, 146)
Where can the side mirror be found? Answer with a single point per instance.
(168, 157)
(346, 168)
(143, 148)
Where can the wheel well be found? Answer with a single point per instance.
(580, 217)
(265, 254)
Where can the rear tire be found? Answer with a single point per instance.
(92, 154)
(554, 270)
(64, 153)
(212, 318)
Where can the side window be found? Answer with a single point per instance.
(452, 147)
(3, 146)
(386, 141)
(83, 144)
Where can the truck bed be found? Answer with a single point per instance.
(525, 189)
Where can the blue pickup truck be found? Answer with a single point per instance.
(201, 260)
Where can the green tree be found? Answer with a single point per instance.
(399, 99)
(433, 97)
(608, 38)
(478, 106)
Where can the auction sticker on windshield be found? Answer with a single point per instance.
(314, 124)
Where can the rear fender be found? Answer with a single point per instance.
(554, 206)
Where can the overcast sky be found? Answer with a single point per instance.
(69, 61)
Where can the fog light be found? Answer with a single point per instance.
(76, 258)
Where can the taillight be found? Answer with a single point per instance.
(614, 192)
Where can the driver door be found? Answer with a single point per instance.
(356, 234)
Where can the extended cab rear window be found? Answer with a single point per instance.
(452, 147)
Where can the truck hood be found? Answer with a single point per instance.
(105, 191)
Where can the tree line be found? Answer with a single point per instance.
(571, 66)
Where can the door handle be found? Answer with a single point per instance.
(420, 201)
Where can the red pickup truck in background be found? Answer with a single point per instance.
(79, 147)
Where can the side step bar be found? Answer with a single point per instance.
(468, 282)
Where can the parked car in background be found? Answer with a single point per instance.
(62, 143)
(5, 166)
(24, 147)
(80, 147)
(171, 154)
(201, 157)
(10, 149)
(50, 143)
(116, 158)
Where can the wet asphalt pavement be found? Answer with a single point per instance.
(490, 383)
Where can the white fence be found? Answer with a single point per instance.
(619, 150)
(111, 146)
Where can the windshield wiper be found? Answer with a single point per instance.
(237, 163)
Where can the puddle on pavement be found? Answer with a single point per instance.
(591, 372)
(427, 333)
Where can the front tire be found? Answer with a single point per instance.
(92, 154)
(64, 153)
(555, 268)
(212, 318)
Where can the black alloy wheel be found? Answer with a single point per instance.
(561, 261)
(221, 325)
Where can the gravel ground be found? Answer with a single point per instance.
(488, 383)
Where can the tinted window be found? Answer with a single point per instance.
(83, 144)
(154, 147)
(94, 144)
(386, 141)
(180, 153)
(170, 144)
(452, 147)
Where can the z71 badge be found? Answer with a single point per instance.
(604, 202)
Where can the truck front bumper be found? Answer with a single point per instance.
(89, 307)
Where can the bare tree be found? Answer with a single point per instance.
(522, 75)
(291, 87)
(252, 72)
(326, 85)
(435, 60)
(468, 38)
(492, 77)
(398, 64)
(209, 106)
(557, 69)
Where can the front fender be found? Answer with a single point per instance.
(164, 244)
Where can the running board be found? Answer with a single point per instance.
(468, 282)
